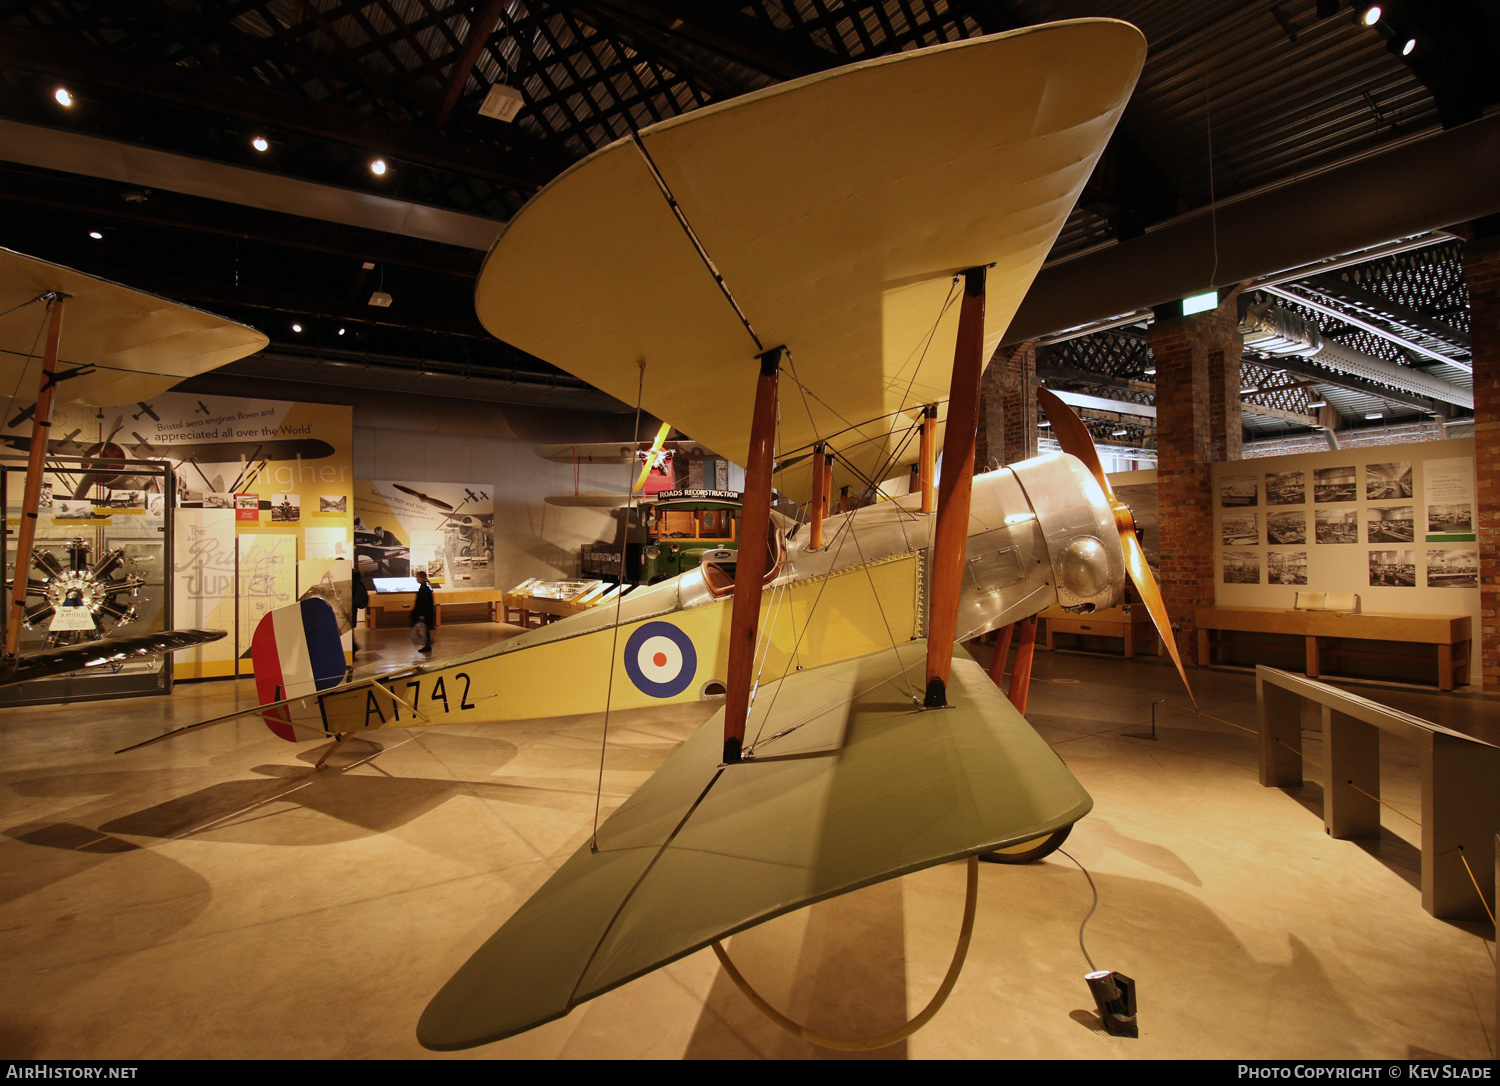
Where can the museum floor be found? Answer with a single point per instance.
(214, 897)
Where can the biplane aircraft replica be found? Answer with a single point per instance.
(829, 263)
(118, 345)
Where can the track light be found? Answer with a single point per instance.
(63, 97)
(1371, 15)
(260, 143)
(378, 167)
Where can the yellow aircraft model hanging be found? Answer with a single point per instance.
(865, 234)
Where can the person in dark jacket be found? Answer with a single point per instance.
(360, 602)
(424, 609)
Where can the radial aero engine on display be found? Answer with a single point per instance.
(101, 589)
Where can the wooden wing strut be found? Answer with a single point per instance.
(750, 571)
(41, 424)
(950, 542)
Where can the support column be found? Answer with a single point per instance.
(1007, 416)
(1482, 270)
(1197, 423)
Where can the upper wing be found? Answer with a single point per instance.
(141, 344)
(837, 209)
(865, 789)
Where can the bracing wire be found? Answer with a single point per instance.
(844, 533)
(614, 641)
(692, 236)
(21, 376)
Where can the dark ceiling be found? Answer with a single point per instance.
(155, 153)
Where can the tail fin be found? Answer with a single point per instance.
(296, 651)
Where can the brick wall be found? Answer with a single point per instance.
(1008, 411)
(1482, 270)
(1197, 422)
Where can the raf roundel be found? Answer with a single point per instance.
(660, 660)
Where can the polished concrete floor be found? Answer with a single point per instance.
(213, 896)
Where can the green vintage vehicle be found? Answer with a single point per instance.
(670, 534)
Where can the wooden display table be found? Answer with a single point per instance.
(441, 597)
(1322, 634)
(537, 602)
(1130, 623)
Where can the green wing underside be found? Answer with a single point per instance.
(863, 789)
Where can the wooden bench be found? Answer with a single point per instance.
(1460, 804)
(1130, 623)
(441, 597)
(1323, 634)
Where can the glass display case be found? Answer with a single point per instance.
(100, 567)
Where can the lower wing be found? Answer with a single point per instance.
(854, 786)
(103, 653)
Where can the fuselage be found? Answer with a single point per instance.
(1040, 533)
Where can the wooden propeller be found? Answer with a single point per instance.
(1075, 440)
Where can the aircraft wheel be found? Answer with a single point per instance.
(1025, 852)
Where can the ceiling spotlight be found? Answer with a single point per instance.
(380, 298)
(378, 167)
(1411, 43)
(63, 97)
(260, 143)
(96, 235)
(1371, 15)
(341, 331)
(296, 327)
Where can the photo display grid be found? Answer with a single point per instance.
(1394, 524)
